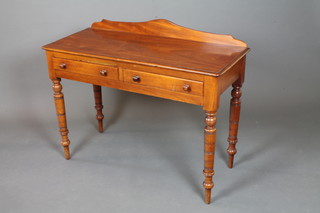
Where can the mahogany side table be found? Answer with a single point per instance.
(156, 58)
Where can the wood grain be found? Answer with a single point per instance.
(86, 68)
(164, 82)
(156, 58)
(61, 115)
(165, 28)
(131, 66)
(142, 89)
(209, 149)
(235, 105)
(185, 55)
(98, 105)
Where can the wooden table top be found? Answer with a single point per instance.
(208, 57)
(156, 58)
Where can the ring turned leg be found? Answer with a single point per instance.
(61, 115)
(98, 106)
(209, 149)
(235, 105)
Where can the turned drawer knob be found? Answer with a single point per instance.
(136, 78)
(186, 88)
(103, 72)
(63, 66)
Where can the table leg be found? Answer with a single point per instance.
(98, 106)
(235, 105)
(61, 115)
(209, 149)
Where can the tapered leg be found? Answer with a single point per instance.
(98, 106)
(235, 105)
(61, 115)
(209, 149)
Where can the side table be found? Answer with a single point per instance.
(156, 58)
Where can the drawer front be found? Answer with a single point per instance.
(163, 82)
(72, 66)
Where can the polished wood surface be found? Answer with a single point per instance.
(211, 58)
(156, 58)
(235, 105)
(61, 115)
(209, 149)
(165, 28)
(164, 82)
(72, 66)
(98, 106)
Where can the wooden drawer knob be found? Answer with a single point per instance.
(186, 88)
(136, 78)
(103, 72)
(63, 66)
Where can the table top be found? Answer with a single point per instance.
(157, 43)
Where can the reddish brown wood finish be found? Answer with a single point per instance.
(167, 29)
(79, 67)
(61, 115)
(211, 58)
(156, 58)
(98, 106)
(209, 149)
(235, 106)
(164, 82)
